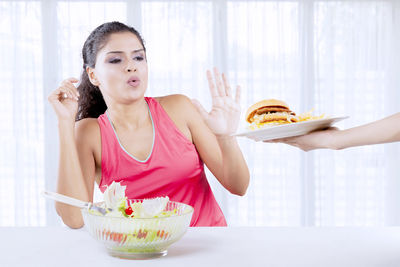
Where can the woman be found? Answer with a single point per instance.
(155, 146)
(382, 131)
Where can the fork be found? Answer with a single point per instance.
(75, 202)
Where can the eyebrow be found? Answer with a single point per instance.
(120, 52)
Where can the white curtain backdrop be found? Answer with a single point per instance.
(338, 57)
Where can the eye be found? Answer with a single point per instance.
(139, 58)
(114, 60)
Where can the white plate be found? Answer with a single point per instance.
(288, 130)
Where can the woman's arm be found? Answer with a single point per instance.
(75, 172)
(75, 152)
(221, 154)
(211, 132)
(381, 131)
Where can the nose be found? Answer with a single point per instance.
(131, 66)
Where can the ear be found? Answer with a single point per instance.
(92, 76)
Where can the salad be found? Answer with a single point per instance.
(118, 205)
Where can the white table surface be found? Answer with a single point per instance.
(230, 246)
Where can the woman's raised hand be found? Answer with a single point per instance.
(223, 119)
(65, 100)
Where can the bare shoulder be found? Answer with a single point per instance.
(181, 111)
(87, 132)
(87, 126)
(177, 105)
(174, 102)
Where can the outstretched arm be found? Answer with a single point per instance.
(212, 131)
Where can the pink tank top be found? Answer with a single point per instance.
(173, 168)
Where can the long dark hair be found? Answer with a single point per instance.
(91, 103)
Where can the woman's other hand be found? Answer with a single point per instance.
(65, 100)
(223, 119)
(311, 141)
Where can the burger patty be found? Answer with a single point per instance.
(272, 109)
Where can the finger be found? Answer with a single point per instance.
(65, 92)
(272, 141)
(69, 83)
(59, 95)
(228, 90)
(62, 92)
(200, 109)
(71, 88)
(279, 140)
(218, 82)
(333, 128)
(64, 95)
(72, 80)
(211, 84)
(213, 90)
(72, 93)
(238, 94)
(54, 96)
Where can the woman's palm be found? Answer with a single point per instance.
(223, 119)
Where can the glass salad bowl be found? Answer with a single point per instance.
(139, 238)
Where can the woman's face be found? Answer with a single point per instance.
(121, 68)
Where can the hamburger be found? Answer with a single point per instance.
(269, 112)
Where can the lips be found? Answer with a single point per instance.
(133, 81)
